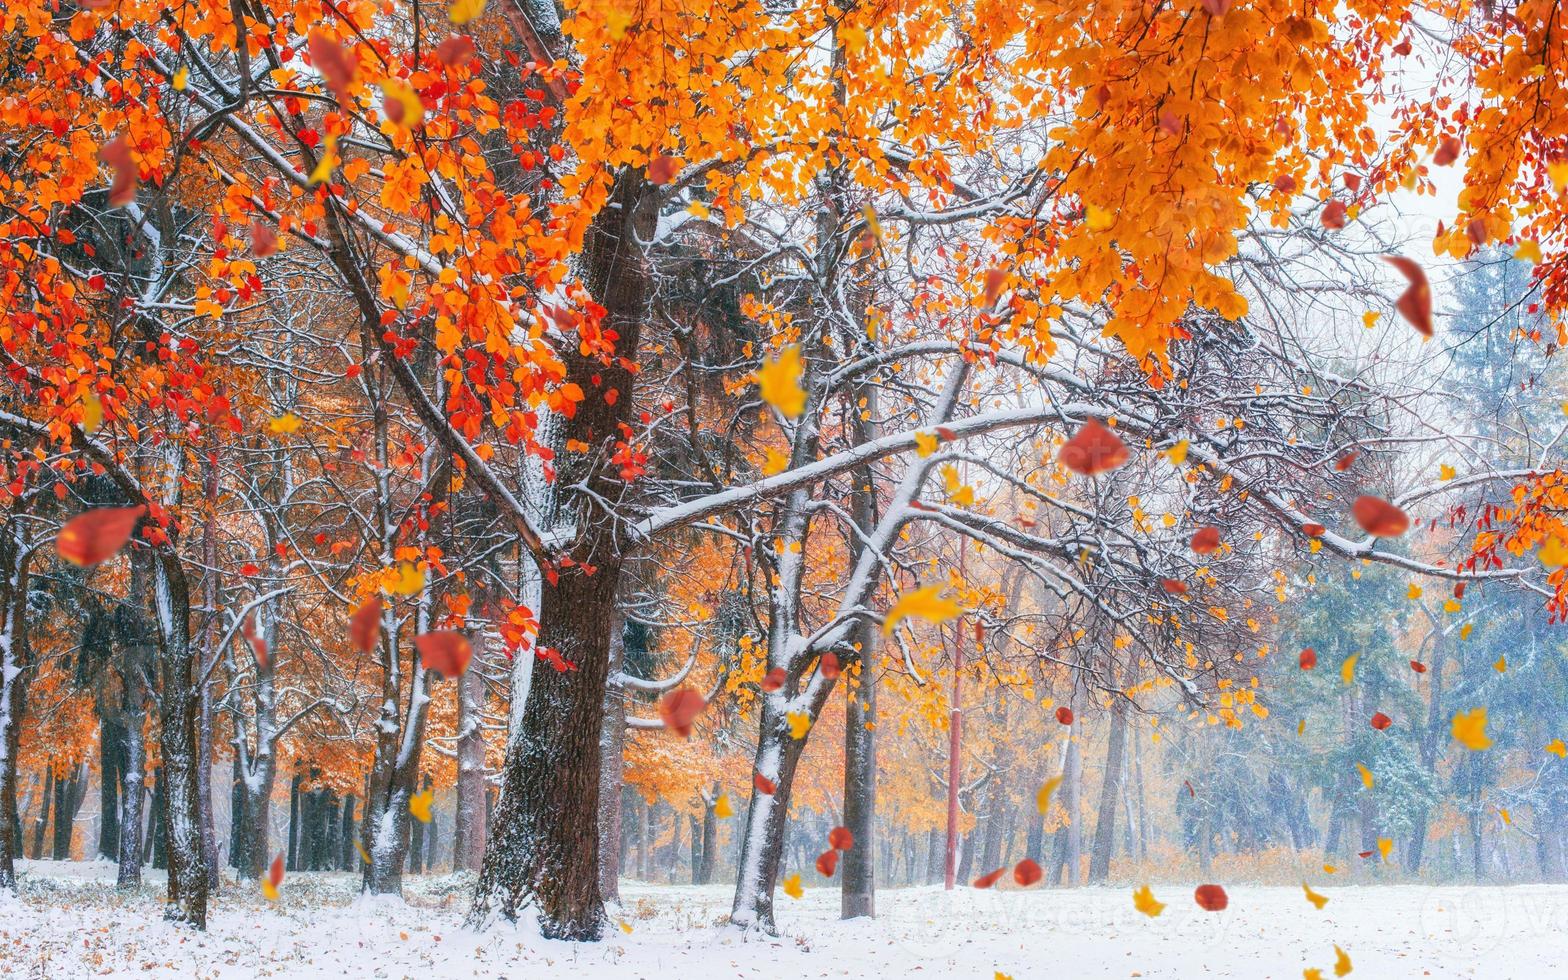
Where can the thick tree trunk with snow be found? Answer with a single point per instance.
(858, 866)
(178, 704)
(612, 741)
(468, 842)
(14, 663)
(134, 664)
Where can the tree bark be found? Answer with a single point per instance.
(468, 831)
(612, 741)
(15, 660)
(1110, 791)
(133, 775)
(111, 756)
(178, 704)
(858, 885)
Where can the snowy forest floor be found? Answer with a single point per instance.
(71, 923)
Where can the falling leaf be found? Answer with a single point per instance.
(1557, 172)
(117, 154)
(180, 78)
(92, 413)
(828, 666)
(1414, 592)
(1318, 901)
(401, 103)
(1312, 973)
(799, 723)
(1469, 729)
(1415, 303)
(1366, 775)
(779, 381)
(1369, 318)
(269, 885)
(334, 63)
(925, 444)
(1554, 553)
(1345, 462)
(1341, 961)
(1503, 812)
(1448, 149)
(773, 680)
(616, 21)
(1174, 586)
(364, 627)
(1445, 472)
(1381, 721)
(827, 863)
(463, 11)
(1143, 900)
(1177, 454)
(987, 880)
(721, 807)
(995, 279)
(444, 651)
(1558, 748)
(923, 603)
(1379, 518)
(1464, 631)
(1502, 665)
(1313, 529)
(662, 169)
(841, 839)
(775, 463)
(1027, 873)
(1094, 449)
(1098, 218)
(1334, 215)
(1418, 666)
(1384, 846)
(1528, 251)
(763, 784)
(93, 536)
(1308, 659)
(1347, 670)
(419, 805)
(626, 928)
(1301, 727)
(258, 643)
(1211, 898)
(285, 425)
(1064, 715)
(263, 240)
(455, 50)
(1206, 540)
(1215, 8)
(792, 886)
(1042, 798)
(679, 708)
(364, 855)
(1330, 869)
(409, 580)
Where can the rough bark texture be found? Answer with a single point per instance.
(14, 662)
(858, 867)
(544, 841)
(612, 739)
(1110, 791)
(178, 705)
(468, 841)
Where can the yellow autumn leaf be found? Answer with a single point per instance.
(405, 96)
(183, 75)
(616, 21)
(364, 855)
(1451, 606)
(1445, 472)
(408, 581)
(1557, 748)
(776, 462)
(92, 413)
(792, 885)
(1341, 961)
(1301, 727)
(1177, 454)
(960, 493)
(1469, 729)
(722, 808)
(625, 926)
(779, 381)
(1042, 799)
(1311, 973)
(1366, 775)
(463, 11)
(1318, 901)
(1384, 846)
(1528, 252)
(925, 443)
(799, 723)
(329, 159)
(1554, 553)
(269, 891)
(419, 805)
(1330, 869)
(1414, 591)
(286, 424)
(1099, 219)
(924, 603)
(1503, 812)
(1143, 900)
(1347, 670)
(1369, 318)
(1558, 173)
(1502, 665)
(1464, 631)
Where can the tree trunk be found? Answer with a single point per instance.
(544, 842)
(42, 824)
(15, 658)
(133, 776)
(1072, 857)
(292, 861)
(178, 702)
(710, 839)
(111, 756)
(468, 832)
(1105, 824)
(612, 742)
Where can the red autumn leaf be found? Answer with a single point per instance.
(1206, 541)
(763, 784)
(947, 434)
(1314, 530)
(1346, 461)
(1174, 586)
(249, 568)
(1403, 47)
(1190, 791)
(1285, 184)
(1095, 449)
(773, 679)
(679, 708)
(1447, 151)
(1027, 873)
(1171, 124)
(994, 280)
(986, 881)
(1418, 666)
(828, 666)
(662, 169)
(840, 839)
(95, 535)
(1475, 230)
(1211, 898)
(1335, 215)
(364, 627)
(1381, 721)
(1064, 715)
(1215, 8)
(275, 873)
(335, 64)
(1366, 854)
(1309, 658)
(1459, 590)
(455, 49)
(1415, 303)
(1353, 181)
(1379, 518)
(258, 643)
(263, 240)
(117, 154)
(446, 651)
(827, 863)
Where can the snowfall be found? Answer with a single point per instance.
(70, 922)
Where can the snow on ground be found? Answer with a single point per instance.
(71, 923)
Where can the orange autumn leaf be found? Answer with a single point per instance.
(1094, 449)
(334, 63)
(763, 784)
(1211, 898)
(1309, 658)
(1064, 715)
(1415, 303)
(987, 880)
(827, 863)
(662, 169)
(1379, 518)
(828, 666)
(679, 708)
(455, 50)
(1027, 872)
(773, 680)
(96, 535)
(840, 839)
(263, 240)
(1206, 541)
(269, 885)
(444, 651)
(364, 627)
